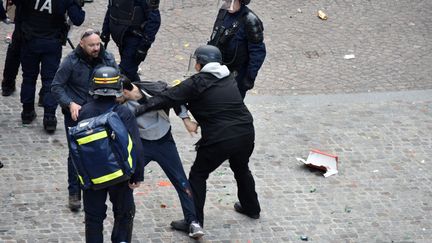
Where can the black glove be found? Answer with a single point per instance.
(141, 109)
(141, 53)
(105, 37)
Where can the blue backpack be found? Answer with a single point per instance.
(102, 151)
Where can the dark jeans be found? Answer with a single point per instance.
(237, 151)
(73, 181)
(12, 61)
(164, 152)
(121, 197)
(128, 63)
(2, 11)
(40, 55)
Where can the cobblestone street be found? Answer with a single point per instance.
(373, 111)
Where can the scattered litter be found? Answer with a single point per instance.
(375, 171)
(349, 56)
(322, 161)
(312, 190)
(176, 82)
(299, 10)
(322, 15)
(186, 45)
(304, 238)
(420, 162)
(347, 209)
(163, 205)
(139, 71)
(179, 57)
(149, 171)
(164, 183)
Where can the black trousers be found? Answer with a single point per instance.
(12, 61)
(237, 151)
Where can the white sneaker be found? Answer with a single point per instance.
(195, 230)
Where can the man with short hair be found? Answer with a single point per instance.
(70, 88)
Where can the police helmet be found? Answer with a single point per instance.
(207, 53)
(106, 82)
(245, 2)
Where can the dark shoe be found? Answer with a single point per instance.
(238, 207)
(41, 100)
(28, 117)
(180, 225)
(195, 230)
(50, 124)
(74, 203)
(7, 91)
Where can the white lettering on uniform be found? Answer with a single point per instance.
(45, 6)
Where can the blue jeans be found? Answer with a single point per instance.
(121, 197)
(40, 55)
(73, 182)
(164, 152)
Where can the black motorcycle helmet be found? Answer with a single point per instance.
(106, 82)
(207, 53)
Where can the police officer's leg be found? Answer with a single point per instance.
(95, 213)
(128, 63)
(30, 60)
(121, 197)
(208, 158)
(242, 149)
(49, 64)
(167, 156)
(73, 183)
(12, 63)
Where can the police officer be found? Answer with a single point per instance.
(133, 25)
(227, 131)
(238, 33)
(12, 61)
(43, 28)
(70, 88)
(121, 194)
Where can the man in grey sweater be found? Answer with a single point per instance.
(158, 145)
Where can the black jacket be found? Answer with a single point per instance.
(215, 103)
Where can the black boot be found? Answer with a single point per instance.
(50, 123)
(28, 114)
(7, 91)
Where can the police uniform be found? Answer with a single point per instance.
(44, 30)
(133, 25)
(120, 194)
(12, 61)
(239, 36)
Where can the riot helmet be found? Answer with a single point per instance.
(106, 82)
(207, 53)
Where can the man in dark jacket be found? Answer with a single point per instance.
(70, 88)
(106, 86)
(43, 32)
(133, 25)
(227, 131)
(238, 33)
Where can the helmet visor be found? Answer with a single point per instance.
(227, 4)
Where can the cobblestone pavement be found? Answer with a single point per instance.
(373, 111)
